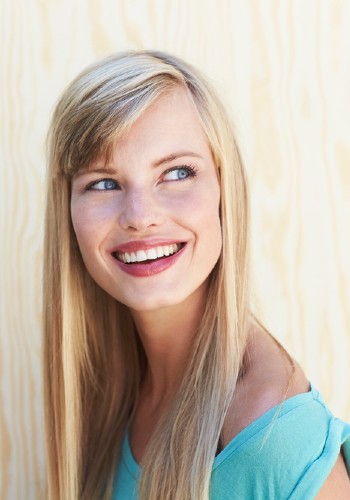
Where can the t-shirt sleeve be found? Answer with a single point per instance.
(288, 457)
(337, 439)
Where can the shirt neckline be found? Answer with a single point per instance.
(253, 428)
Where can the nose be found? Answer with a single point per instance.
(140, 211)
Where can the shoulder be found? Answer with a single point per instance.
(288, 453)
(292, 449)
(270, 377)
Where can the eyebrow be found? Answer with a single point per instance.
(175, 156)
(112, 171)
(98, 170)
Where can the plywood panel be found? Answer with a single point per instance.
(284, 71)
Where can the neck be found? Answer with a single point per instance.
(167, 336)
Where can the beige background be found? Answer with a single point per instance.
(283, 68)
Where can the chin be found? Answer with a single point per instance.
(160, 301)
(149, 305)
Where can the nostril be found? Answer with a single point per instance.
(141, 206)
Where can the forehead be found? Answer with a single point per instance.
(169, 128)
(170, 123)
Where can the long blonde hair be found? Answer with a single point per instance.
(93, 359)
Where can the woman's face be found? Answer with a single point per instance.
(147, 223)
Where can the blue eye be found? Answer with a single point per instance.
(103, 185)
(179, 173)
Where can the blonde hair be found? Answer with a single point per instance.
(93, 359)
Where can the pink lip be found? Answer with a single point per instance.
(134, 246)
(142, 270)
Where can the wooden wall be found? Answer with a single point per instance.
(283, 67)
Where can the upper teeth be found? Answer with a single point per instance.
(149, 254)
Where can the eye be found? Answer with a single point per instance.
(103, 185)
(179, 173)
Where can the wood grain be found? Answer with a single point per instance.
(284, 70)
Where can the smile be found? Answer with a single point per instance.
(149, 254)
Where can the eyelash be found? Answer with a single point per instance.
(90, 186)
(191, 170)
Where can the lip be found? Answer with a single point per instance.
(143, 270)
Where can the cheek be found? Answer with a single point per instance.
(214, 234)
(203, 212)
(89, 227)
(212, 224)
(91, 218)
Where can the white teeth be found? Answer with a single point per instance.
(149, 254)
(141, 255)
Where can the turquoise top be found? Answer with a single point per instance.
(287, 453)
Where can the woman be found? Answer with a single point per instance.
(151, 354)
